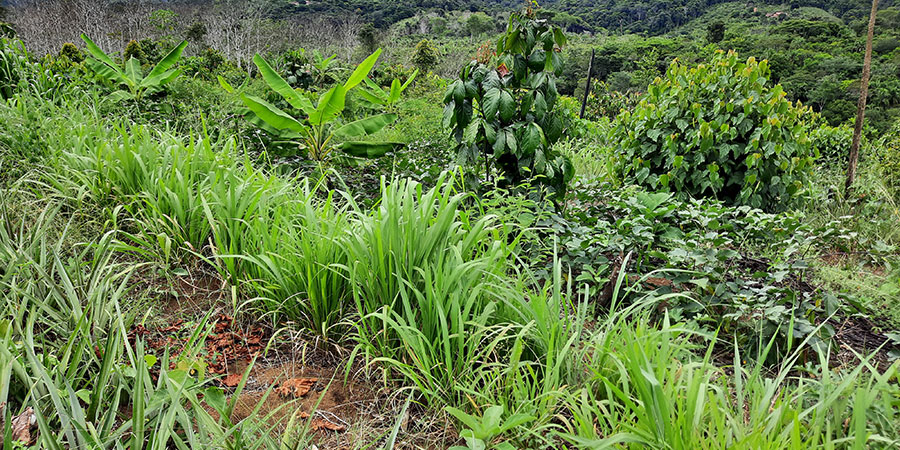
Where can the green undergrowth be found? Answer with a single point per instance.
(598, 325)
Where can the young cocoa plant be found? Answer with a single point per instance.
(502, 113)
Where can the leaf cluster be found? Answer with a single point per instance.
(135, 84)
(503, 112)
(718, 130)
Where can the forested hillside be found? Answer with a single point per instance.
(623, 16)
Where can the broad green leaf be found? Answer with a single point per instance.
(119, 96)
(553, 128)
(330, 105)
(155, 77)
(368, 149)
(490, 103)
(507, 106)
(540, 105)
(364, 127)
(489, 132)
(532, 138)
(375, 87)
(371, 97)
(449, 116)
(167, 77)
(95, 51)
(540, 161)
(470, 421)
(106, 72)
(459, 91)
(511, 142)
(500, 143)
(213, 396)
(274, 80)
(471, 132)
(271, 114)
(491, 421)
(559, 37)
(225, 84)
(362, 70)
(395, 91)
(133, 70)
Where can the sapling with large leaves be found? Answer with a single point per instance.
(502, 110)
(132, 78)
(315, 134)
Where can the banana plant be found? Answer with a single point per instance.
(316, 132)
(136, 84)
(376, 96)
(323, 67)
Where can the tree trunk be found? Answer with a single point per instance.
(587, 86)
(861, 106)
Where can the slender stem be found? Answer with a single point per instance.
(587, 85)
(861, 106)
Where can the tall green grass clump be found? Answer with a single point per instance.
(428, 281)
(64, 352)
(648, 389)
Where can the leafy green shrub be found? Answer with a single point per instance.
(12, 57)
(832, 143)
(603, 101)
(502, 112)
(425, 56)
(196, 32)
(207, 65)
(717, 130)
(71, 52)
(294, 65)
(886, 45)
(134, 49)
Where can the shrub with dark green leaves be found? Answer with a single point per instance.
(832, 143)
(71, 52)
(7, 30)
(135, 50)
(425, 56)
(502, 111)
(12, 57)
(717, 130)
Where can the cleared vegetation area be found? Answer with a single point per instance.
(395, 249)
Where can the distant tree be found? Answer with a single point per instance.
(163, 20)
(134, 49)
(71, 52)
(368, 37)
(425, 56)
(196, 32)
(479, 23)
(886, 45)
(715, 32)
(438, 25)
